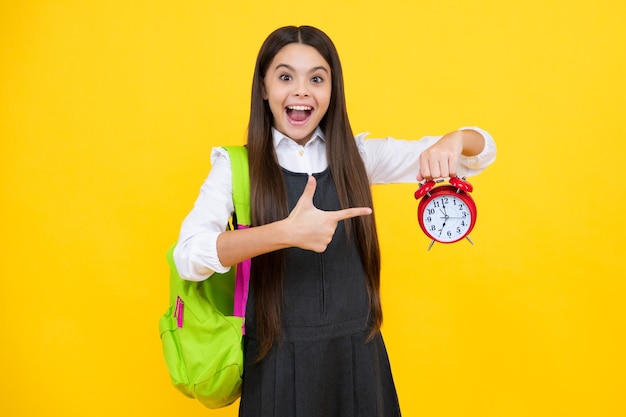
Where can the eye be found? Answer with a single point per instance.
(285, 77)
(317, 79)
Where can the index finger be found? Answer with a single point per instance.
(352, 212)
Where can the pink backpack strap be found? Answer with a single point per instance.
(242, 284)
(241, 201)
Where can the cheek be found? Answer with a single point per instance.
(276, 105)
(325, 103)
(273, 99)
(327, 95)
(276, 108)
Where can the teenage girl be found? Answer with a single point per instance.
(312, 343)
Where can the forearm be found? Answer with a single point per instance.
(467, 142)
(473, 142)
(234, 246)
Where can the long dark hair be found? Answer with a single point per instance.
(268, 195)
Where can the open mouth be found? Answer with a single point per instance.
(299, 114)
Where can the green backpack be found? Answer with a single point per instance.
(201, 332)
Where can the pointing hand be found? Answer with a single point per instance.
(312, 228)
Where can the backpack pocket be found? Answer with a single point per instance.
(204, 357)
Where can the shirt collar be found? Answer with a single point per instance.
(279, 137)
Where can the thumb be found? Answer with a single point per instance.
(309, 190)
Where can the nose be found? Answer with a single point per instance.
(301, 89)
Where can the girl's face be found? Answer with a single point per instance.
(297, 86)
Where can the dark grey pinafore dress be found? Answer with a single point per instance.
(322, 367)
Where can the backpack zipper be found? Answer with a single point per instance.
(179, 311)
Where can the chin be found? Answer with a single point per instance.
(298, 133)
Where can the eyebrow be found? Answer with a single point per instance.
(290, 68)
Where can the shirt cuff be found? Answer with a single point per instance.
(197, 260)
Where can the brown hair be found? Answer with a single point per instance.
(267, 189)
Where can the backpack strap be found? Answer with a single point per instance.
(241, 183)
(241, 199)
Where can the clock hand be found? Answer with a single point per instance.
(443, 210)
(443, 205)
(442, 227)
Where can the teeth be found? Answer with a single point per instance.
(302, 108)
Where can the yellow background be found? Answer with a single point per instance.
(109, 110)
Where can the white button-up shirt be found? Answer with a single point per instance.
(386, 161)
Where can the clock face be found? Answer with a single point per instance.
(447, 218)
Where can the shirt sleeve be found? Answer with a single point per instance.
(392, 160)
(195, 254)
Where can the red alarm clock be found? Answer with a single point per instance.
(446, 213)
